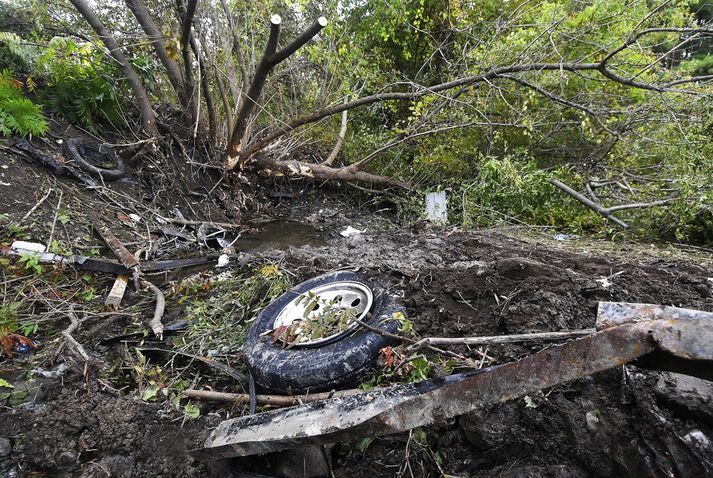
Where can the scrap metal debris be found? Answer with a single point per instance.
(627, 332)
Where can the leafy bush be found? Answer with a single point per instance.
(14, 53)
(18, 115)
(514, 189)
(79, 83)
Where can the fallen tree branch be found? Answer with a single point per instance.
(271, 400)
(185, 222)
(155, 322)
(468, 81)
(322, 172)
(340, 139)
(589, 203)
(501, 339)
(638, 205)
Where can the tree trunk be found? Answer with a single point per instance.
(142, 98)
(205, 87)
(152, 31)
(186, 23)
(322, 172)
(270, 58)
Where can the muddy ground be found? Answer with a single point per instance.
(91, 420)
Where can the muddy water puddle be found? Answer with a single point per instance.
(280, 235)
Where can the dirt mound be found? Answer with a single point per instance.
(93, 434)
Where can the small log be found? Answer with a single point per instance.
(121, 252)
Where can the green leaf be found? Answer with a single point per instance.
(149, 394)
(5, 383)
(192, 410)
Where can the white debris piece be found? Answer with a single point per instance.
(436, 209)
(604, 282)
(23, 247)
(135, 217)
(350, 231)
(223, 260)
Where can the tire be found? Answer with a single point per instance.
(334, 365)
(90, 158)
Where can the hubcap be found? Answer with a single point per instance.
(339, 295)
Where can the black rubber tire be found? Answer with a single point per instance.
(88, 155)
(312, 369)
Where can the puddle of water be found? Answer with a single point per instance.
(280, 235)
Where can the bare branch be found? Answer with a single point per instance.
(340, 139)
(269, 60)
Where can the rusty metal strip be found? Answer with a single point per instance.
(121, 252)
(401, 408)
(611, 314)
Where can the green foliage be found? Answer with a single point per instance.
(79, 83)
(9, 312)
(514, 189)
(31, 263)
(18, 115)
(15, 54)
(219, 322)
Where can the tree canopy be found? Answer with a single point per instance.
(490, 98)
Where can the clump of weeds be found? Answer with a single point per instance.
(218, 323)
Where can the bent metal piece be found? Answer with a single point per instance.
(681, 333)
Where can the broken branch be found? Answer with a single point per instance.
(607, 213)
(155, 323)
(340, 139)
(271, 400)
(501, 339)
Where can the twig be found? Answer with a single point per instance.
(185, 222)
(272, 400)
(34, 208)
(155, 323)
(67, 334)
(501, 339)
(54, 221)
(402, 338)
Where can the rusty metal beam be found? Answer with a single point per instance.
(121, 252)
(400, 408)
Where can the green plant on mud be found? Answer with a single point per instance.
(31, 263)
(153, 383)
(219, 323)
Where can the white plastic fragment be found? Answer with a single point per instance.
(25, 247)
(223, 260)
(436, 208)
(350, 231)
(604, 282)
(135, 217)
